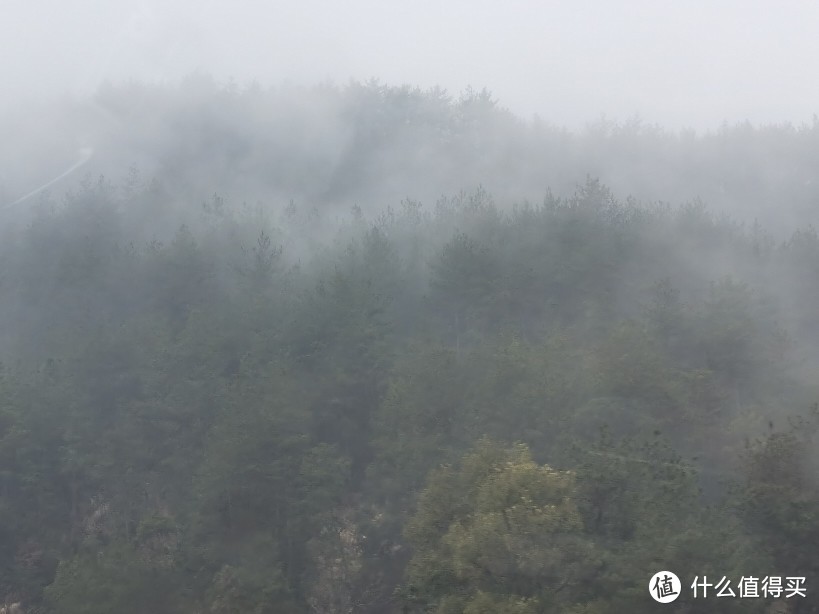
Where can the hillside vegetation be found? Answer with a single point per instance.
(472, 404)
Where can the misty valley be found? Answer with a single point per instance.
(375, 349)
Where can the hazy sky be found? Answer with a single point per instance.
(682, 63)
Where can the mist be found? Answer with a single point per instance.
(680, 66)
(507, 327)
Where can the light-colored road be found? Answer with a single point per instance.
(85, 154)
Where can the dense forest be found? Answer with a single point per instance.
(331, 354)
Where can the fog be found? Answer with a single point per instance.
(693, 64)
(433, 308)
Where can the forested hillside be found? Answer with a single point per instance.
(472, 404)
(373, 145)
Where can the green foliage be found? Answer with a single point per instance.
(779, 495)
(114, 579)
(499, 529)
(236, 417)
(254, 587)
